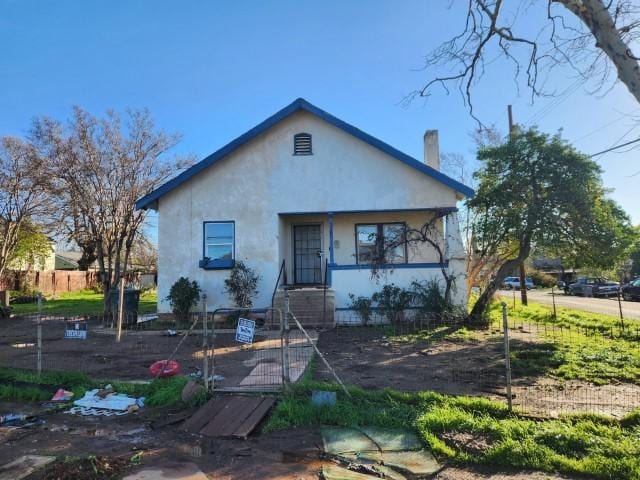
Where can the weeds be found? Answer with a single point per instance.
(20, 385)
(590, 444)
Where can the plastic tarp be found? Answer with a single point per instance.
(113, 401)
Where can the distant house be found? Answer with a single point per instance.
(68, 260)
(309, 191)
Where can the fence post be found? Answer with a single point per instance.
(39, 335)
(507, 359)
(286, 379)
(120, 309)
(205, 344)
(620, 308)
(553, 298)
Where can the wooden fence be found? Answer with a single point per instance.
(49, 282)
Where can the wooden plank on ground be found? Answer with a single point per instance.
(237, 406)
(255, 418)
(239, 418)
(205, 414)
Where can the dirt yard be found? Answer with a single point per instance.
(101, 357)
(468, 366)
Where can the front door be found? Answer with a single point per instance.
(307, 253)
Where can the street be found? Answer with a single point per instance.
(607, 306)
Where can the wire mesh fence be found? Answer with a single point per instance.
(556, 366)
(577, 365)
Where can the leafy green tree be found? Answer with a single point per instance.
(32, 248)
(537, 190)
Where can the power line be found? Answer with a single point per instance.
(615, 148)
(621, 117)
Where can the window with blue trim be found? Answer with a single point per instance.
(218, 245)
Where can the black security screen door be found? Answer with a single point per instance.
(306, 250)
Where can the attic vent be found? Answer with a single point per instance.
(302, 144)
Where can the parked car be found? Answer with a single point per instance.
(514, 282)
(631, 291)
(593, 287)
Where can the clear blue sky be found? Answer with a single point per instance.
(212, 70)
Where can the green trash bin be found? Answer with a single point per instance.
(131, 301)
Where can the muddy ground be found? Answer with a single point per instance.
(290, 454)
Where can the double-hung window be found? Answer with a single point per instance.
(219, 245)
(381, 243)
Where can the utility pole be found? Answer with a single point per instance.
(523, 284)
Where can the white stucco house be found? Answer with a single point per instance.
(306, 192)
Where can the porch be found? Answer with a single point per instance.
(325, 256)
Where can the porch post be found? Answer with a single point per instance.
(331, 256)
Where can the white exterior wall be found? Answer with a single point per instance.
(261, 180)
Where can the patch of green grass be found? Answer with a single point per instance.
(83, 302)
(26, 386)
(451, 333)
(574, 346)
(593, 445)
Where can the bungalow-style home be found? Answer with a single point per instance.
(306, 195)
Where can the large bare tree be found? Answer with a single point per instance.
(98, 168)
(592, 38)
(22, 195)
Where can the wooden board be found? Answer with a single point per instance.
(255, 418)
(229, 416)
(205, 414)
(234, 413)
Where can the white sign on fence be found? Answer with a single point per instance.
(245, 330)
(76, 330)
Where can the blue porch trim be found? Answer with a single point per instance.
(390, 266)
(150, 199)
(347, 309)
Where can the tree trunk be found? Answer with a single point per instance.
(477, 315)
(594, 14)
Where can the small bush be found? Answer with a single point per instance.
(429, 298)
(183, 296)
(362, 306)
(242, 285)
(393, 301)
(541, 278)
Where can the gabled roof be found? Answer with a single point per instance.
(301, 104)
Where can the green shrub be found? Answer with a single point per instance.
(242, 285)
(393, 301)
(362, 306)
(428, 297)
(183, 296)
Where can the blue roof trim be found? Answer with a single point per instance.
(300, 104)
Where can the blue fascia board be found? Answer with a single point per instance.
(389, 266)
(300, 104)
(384, 210)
